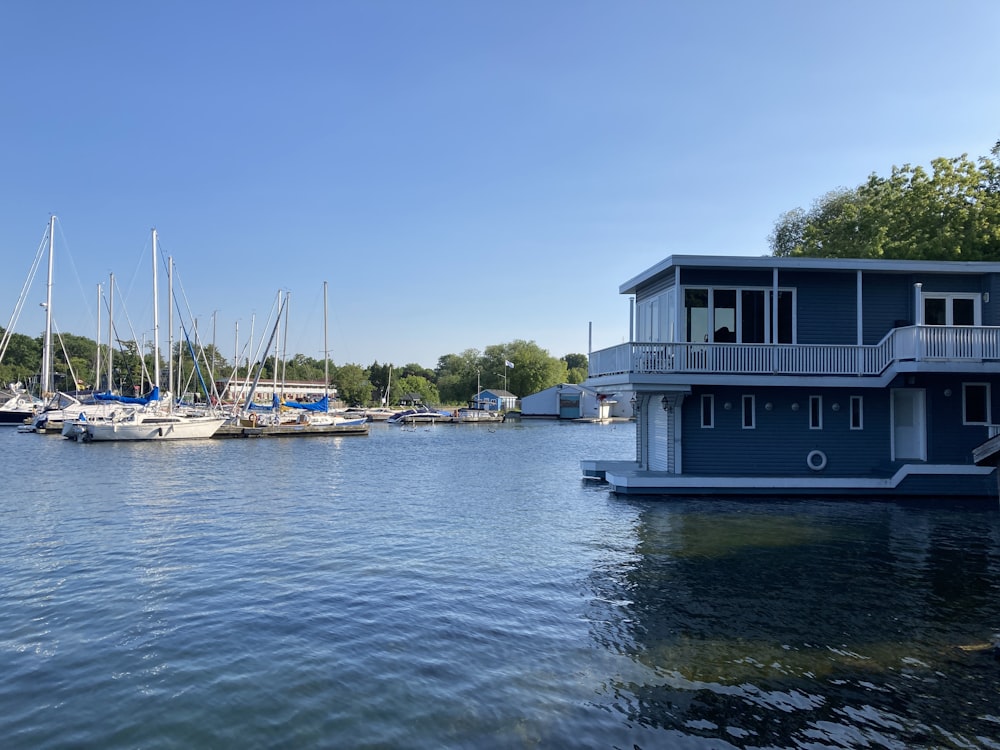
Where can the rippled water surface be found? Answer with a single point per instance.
(461, 586)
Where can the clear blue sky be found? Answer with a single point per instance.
(463, 173)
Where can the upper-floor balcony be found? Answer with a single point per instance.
(930, 344)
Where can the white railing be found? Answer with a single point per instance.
(914, 343)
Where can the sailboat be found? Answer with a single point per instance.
(319, 415)
(19, 406)
(311, 419)
(145, 418)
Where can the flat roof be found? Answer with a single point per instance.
(809, 264)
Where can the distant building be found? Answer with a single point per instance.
(495, 399)
(567, 401)
(293, 390)
(410, 399)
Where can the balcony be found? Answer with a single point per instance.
(959, 344)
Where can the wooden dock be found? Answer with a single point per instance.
(289, 430)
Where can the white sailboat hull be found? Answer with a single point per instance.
(149, 427)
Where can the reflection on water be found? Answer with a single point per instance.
(808, 625)
(458, 587)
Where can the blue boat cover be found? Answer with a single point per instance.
(322, 405)
(153, 395)
(273, 406)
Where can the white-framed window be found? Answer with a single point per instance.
(741, 315)
(655, 317)
(953, 309)
(749, 413)
(815, 412)
(708, 410)
(857, 412)
(975, 403)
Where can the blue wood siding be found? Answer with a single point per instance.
(726, 277)
(888, 302)
(949, 441)
(826, 306)
(949, 282)
(782, 439)
(991, 309)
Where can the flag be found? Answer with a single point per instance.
(509, 363)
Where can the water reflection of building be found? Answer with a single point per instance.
(826, 625)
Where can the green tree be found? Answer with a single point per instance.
(414, 369)
(458, 374)
(576, 367)
(380, 376)
(951, 212)
(420, 385)
(353, 387)
(22, 359)
(534, 368)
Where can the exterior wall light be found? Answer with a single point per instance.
(795, 406)
(835, 407)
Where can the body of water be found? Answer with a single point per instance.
(460, 586)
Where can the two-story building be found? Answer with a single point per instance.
(803, 376)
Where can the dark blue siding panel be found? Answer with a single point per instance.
(726, 277)
(826, 306)
(950, 441)
(950, 282)
(888, 302)
(991, 309)
(782, 439)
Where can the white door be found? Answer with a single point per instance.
(909, 429)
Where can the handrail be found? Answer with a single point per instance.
(910, 343)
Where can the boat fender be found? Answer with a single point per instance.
(816, 460)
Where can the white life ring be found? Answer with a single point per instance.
(816, 460)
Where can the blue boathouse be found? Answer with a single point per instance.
(768, 375)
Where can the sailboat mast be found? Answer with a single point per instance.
(170, 328)
(47, 346)
(111, 332)
(284, 343)
(156, 322)
(97, 362)
(326, 351)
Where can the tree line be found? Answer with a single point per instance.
(950, 212)
(454, 381)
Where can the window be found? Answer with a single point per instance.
(786, 317)
(696, 314)
(753, 316)
(708, 410)
(975, 403)
(815, 412)
(857, 413)
(749, 413)
(959, 309)
(724, 316)
(738, 315)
